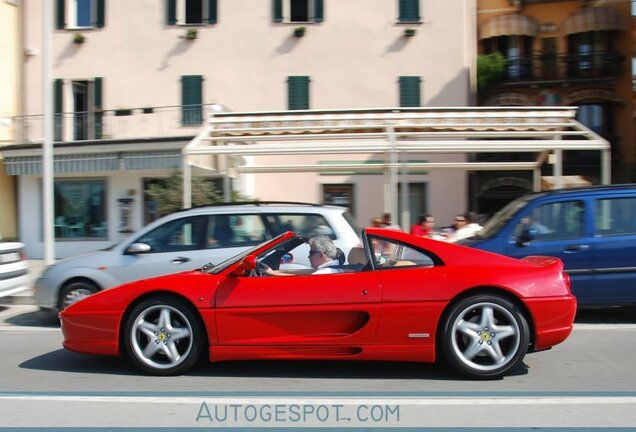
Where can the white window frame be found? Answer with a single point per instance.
(311, 9)
(181, 13)
(71, 14)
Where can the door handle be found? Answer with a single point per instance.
(180, 260)
(576, 248)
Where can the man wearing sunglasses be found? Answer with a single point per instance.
(322, 257)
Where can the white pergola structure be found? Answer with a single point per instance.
(395, 133)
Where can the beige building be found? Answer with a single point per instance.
(9, 84)
(130, 93)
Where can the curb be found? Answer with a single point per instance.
(25, 298)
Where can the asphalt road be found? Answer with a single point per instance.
(589, 381)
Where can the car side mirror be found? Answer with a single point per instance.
(527, 235)
(248, 264)
(138, 248)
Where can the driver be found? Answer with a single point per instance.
(322, 257)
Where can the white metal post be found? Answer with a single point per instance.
(405, 217)
(47, 146)
(558, 169)
(393, 174)
(187, 183)
(606, 166)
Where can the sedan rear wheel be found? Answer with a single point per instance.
(163, 336)
(484, 336)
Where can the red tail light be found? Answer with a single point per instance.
(566, 279)
(23, 255)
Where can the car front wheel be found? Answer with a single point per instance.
(484, 336)
(162, 336)
(76, 291)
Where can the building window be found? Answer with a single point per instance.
(186, 12)
(590, 54)
(298, 92)
(409, 10)
(191, 100)
(298, 10)
(338, 194)
(518, 52)
(80, 13)
(410, 91)
(596, 116)
(80, 209)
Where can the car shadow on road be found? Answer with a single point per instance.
(62, 360)
(65, 361)
(607, 315)
(36, 318)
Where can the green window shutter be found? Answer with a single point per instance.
(100, 15)
(191, 100)
(212, 12)
(60, 16)
(319, 13)
(298, 92)
(410, 91)
(58, 109)
(98, 107)
(409, 10)
(171, 12)
(277, 10)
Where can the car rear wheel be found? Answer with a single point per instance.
(76, 291)
(484, 336)
(162, 336)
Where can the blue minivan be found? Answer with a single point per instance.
(593, 230)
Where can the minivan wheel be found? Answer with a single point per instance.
(484, 336)
(76, 291)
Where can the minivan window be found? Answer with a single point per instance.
(615, 216)
(177, 235)
(232, 230)
(308, 224)
(555, 221)
(495, 223)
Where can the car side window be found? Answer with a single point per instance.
(391, 254)
(183, 234)
(231, 230)
(308, 224)
(554, 221)
(615, 217)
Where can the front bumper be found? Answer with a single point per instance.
(46, 291)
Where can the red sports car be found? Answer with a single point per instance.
(397, 297)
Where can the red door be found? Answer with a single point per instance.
(327, 309)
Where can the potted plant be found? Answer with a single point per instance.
(78, 38)
(191, 33)
(299, 31)
(409, 32)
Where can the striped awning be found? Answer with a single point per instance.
(594, 19)
(170, 159)
(509, 25)
(87, 163)
(32, 165)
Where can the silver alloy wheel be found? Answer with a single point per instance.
(486, 336)
(161, 336)
(75, 295)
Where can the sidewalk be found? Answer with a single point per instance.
(36, 267)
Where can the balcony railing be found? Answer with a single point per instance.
(563, 67)
(128, 123)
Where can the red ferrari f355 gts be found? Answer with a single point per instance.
(396, 297)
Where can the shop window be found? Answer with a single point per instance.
(80, 209)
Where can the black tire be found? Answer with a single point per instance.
(76, 291)
(484, 336)
(163, 336)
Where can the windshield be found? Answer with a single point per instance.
(225, 264)
(495, 223)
